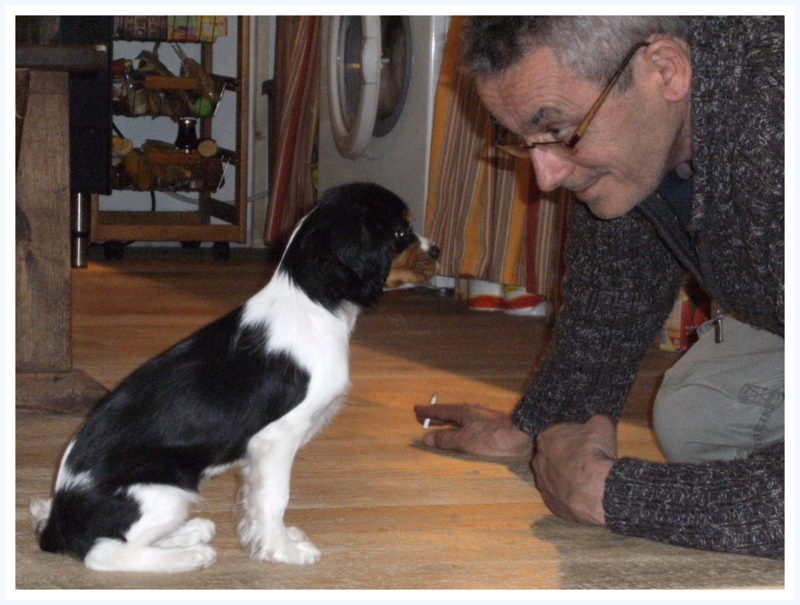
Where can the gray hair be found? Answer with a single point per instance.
(591, 46)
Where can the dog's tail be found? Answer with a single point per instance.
(48, 527)
(60, 523)
(73, 521)
(49, 536)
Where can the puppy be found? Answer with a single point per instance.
(250, 388)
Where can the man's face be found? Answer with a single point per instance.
(624, 154)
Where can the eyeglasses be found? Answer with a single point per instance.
(567, 144)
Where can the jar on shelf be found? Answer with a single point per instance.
(187, 134)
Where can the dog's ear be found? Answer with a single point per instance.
(343, 250)
(339, 260)
(364, 261)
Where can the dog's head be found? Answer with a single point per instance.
(345, 248)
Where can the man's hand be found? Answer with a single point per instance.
(570, 466)
(474, 429)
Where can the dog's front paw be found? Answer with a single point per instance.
(290, 545)
(306, 551)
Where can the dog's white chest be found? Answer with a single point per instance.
(316, 340)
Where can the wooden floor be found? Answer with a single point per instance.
(387, 512)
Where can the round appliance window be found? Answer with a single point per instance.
(395, 73)
(370, 76)
(350, 81)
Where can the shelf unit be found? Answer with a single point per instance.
(115, 228)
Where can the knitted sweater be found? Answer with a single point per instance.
(621, 281)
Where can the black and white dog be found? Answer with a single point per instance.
(250, 388)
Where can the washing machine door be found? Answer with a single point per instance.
(368, 70)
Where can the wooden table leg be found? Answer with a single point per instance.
(43, 353)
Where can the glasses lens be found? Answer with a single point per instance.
(510, 143)
(505, 137)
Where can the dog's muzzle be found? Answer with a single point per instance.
(415, 265)
(432, 249)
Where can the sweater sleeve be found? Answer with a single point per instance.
(619, 286)
(734, 506)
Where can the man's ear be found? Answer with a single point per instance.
(669, 61)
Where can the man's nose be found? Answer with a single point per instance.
(550, 168)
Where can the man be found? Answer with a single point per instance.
(669, 131)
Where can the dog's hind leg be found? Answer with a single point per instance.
(265, 498)
(114, 555)
(194, 531)
(161, 540)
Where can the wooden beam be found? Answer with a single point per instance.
(42, 229)
(68, 393)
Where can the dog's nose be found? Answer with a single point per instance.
(434, 251)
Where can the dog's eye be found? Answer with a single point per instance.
(403, 237)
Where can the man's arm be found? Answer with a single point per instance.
(619, 286)
(733, 506)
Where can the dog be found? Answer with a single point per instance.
(249, 389)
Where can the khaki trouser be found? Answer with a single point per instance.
(721, 401)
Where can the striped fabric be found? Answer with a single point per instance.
(546, 237)
(484, 210)
(296, 109)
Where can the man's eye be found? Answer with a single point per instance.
(561, 134)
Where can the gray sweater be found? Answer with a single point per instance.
(622, 277)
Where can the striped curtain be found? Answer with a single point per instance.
(545, 238)
(484, 210)
(295, 116)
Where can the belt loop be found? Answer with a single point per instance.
(717, 315)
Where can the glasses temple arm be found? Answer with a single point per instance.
(581, 129)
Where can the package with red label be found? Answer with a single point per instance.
(691, 309)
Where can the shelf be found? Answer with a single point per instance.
(158, 166)
(136, 95)
(62, 58)
(183, 28)
(169, 170)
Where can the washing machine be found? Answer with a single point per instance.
(378, 83)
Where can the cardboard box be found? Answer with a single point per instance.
(692, 308)
(183, 28)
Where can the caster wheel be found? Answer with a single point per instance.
(221, 251)
(113, 250)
